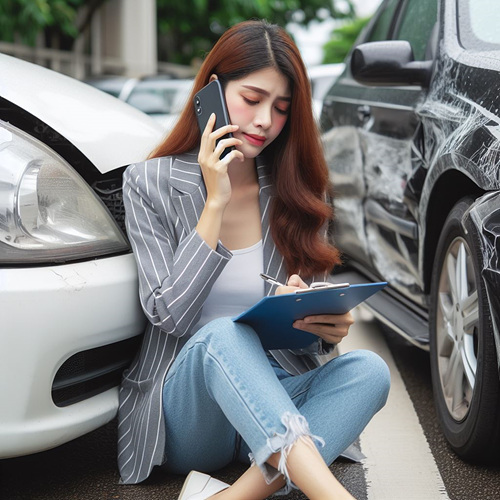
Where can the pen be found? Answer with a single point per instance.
(270, 279)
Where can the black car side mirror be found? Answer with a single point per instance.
(389, 63)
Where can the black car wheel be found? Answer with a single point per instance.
(463, 355)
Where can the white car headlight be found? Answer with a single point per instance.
(48, 213)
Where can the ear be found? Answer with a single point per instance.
(213, 77)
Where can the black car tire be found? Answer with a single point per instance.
(473, 427)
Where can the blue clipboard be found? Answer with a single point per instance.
(272, 317)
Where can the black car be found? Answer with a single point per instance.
(411, 131)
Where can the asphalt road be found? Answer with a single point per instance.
(463, 481)
(86, 467)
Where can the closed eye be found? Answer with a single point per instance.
(282, 111)
(250, 102)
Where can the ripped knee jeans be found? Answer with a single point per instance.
(224, 400)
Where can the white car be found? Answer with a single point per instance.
(70, 318)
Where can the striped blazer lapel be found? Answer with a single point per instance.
(188, 189)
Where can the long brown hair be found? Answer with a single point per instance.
(298, 168)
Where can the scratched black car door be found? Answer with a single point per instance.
(394, 158)
(389, 134)
(342, 119)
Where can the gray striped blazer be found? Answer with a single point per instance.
(163, 200)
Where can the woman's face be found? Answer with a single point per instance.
(259, 104)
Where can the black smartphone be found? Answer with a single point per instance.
(210, 99)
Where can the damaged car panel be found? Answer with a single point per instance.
(411, 132)
(485, 215)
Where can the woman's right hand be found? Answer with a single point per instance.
(213, 168)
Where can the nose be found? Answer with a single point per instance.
(263, 117)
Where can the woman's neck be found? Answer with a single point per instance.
(241, 223)
(242, 173)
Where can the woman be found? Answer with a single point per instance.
(202, 391)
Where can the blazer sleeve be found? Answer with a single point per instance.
(176, 269)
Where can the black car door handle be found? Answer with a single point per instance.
(364, 113)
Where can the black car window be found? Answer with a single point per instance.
(380, 30)
(416, 24)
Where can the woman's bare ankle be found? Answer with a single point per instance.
(222, 495)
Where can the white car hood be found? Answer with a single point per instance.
(85, 116)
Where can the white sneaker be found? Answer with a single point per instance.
(199, 486)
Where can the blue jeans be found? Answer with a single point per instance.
(222, 385)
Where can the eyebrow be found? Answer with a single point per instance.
(265, 92)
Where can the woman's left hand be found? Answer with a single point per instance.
(332, 328)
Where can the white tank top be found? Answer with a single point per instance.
(238, 287)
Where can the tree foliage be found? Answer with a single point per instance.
(27, 18)
(189, 28)
(343, 38)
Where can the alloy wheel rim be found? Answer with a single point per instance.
(457, 327)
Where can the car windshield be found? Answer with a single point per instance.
(478, 24)
(160, 97)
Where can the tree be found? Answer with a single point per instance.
(189, 28)
(27, 18)
(343, 38)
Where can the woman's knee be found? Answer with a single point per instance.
(375, 373)
(367, 371)
(224, 332)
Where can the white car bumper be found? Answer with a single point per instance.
(47, 314)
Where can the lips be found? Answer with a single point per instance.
(256, 140)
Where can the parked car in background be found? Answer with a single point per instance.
(117, 86)
(69, 308)
(322, 78)
(411, 131)
(161, 98)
